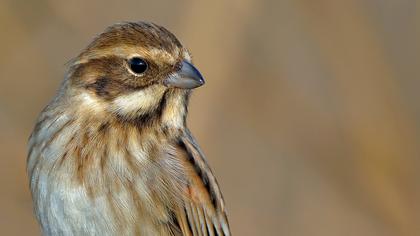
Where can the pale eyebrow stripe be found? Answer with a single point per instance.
(124, 51)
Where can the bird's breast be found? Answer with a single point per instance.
(98, 179)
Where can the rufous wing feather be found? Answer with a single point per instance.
(203, 212)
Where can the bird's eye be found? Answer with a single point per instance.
(137, 65)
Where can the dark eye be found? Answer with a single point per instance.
(137, 65)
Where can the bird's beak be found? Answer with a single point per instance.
(187, 77)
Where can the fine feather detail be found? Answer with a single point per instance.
(111, 154)
(204, 211)
(128, 180)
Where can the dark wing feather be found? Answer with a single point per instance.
(203, 212)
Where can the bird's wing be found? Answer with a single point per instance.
(203, 212)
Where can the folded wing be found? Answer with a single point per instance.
(203, 212)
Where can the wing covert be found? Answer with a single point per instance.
(203, 212)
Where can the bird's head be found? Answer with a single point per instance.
(137, 72)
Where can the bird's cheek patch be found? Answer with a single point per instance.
(139, 102)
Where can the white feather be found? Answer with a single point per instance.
(138, 102)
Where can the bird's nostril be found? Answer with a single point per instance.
(187, 77)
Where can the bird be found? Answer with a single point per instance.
(111, 153)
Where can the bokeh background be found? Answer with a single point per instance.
(310, 116)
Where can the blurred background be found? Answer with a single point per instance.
(310, 116)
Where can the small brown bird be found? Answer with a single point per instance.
(111, 154)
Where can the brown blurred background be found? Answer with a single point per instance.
(310, 116)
